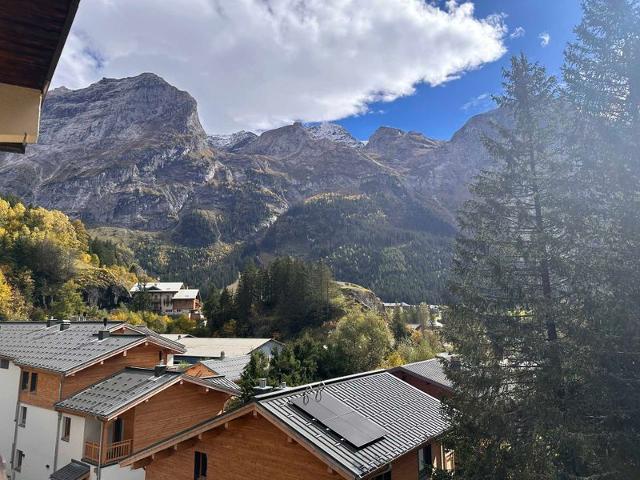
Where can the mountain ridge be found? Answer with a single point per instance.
(131, 154)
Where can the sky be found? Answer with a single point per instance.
(426, 66)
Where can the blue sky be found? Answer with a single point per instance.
(439, 111)
(257, 65)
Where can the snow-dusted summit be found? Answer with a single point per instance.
(231, 140)
(333, 132)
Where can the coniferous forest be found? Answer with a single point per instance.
(545, 318)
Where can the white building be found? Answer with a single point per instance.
(199, 349)
(43, 363)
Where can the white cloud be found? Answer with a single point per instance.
(517, 32)
(481, 102)
(545, 38)
(258, 64)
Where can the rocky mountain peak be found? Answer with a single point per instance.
(232, 141)
(396, 145)
(144, 105)
(334, 132)
(280, 142)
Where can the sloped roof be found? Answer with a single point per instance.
(213, 347)
(128, 387)
(157, 286)
(230, 367)
(429, 370)
(175, 337)
(111, 395)
(74, 470)
(186, 294)
(220, 382)
(409, 417)
(36, 345)
(166, 340)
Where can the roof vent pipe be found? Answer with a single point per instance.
(64, 324)
(104, 322)
(222, 355)
(262, 386)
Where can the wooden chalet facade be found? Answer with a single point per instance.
(272, 438)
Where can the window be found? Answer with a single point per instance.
(34, 382)
(22, 419)
(4, 363)
(66, 428)
(18, 460)
(200, 466)
(425, 462)
(24, 384)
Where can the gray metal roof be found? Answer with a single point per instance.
(74, 470)
(50, 348)
(161, 338)
(429, 370)
(230, 367)
(222, 383)
(111, 395)
(115, 393)
(409, 416)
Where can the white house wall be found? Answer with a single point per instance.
(269, 347)
(74, 448)
(37, 440)
(9, 381)
(115, 472)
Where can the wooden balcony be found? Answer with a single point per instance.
(110, 453)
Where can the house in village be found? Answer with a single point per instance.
(205, 348)
(427, 375)
(366, 426)
(229, 367)
(71, 403)
(170, 298)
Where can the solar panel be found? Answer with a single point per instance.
(340, 418)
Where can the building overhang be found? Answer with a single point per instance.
(32, 36)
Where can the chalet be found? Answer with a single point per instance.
(170, 298)
(366, 426)
(43, 363)
(134, 408)
(230, 367)
(204, 348)
(427, 376)
(33, 35)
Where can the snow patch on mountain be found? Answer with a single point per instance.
(232, 140)
(333, 132)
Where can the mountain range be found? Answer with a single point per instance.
(130, 158)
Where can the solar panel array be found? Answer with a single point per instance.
(339, 418)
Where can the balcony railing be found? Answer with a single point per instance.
(111, 453)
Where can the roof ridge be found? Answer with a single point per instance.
(330, 381)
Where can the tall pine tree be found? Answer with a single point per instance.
(512, 318)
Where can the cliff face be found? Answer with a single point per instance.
(131, 153)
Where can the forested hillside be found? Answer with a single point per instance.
(50, 266)
(130, 159)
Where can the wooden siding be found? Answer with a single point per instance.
(47, 392)
(185, 304)
(250, 449)
(199, 370)
(140, 356)
(427, 387)
(173, 410)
